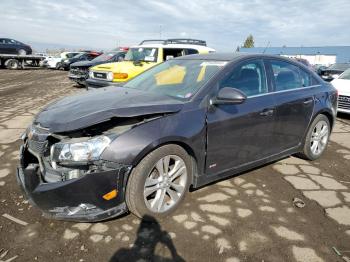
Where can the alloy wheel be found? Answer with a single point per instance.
(165, 184)
(319, 137)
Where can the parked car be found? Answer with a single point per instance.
(142, 57)
(11, 46)
(79, 71)
(84, 56)
(334, 71)
(342, 84)
(186, 122)
(56, 62)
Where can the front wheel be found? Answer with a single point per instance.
(317, 138)
(159, 182)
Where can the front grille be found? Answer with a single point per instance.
(100, 75)
(37, 147)
(344, 102)
(79, 72)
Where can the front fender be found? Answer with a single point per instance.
(184, 128)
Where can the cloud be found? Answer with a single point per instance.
(223, 23)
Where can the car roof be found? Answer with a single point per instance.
(230, 56)
(177, 46)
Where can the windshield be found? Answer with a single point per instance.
(180, 79)
(342, 67)
(345, 75)
(105, 56)
(142, 54)
(78, 55)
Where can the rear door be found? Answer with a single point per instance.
(241, 134)
(294, 100)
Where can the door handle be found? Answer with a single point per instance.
(267, 112)
(308, 101)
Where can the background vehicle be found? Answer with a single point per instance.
(342, 84)
(19, 61)
(56, 62)
(142, 57)
(333, 71)
(84, 56)
(187, 122)
(11, 46)
(79, 71)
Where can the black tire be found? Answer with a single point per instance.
(12, 64)
(307, 152)
(58, 66)
(22, 52)
(135, 186)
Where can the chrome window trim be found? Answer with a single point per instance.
(284, 91)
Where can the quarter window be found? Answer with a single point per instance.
(249, 78)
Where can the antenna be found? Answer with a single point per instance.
(268, 43)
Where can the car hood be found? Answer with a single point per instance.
(93, 107)
(87, 63)
(342, 85)
(124, 67)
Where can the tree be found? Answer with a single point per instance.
(249, 42)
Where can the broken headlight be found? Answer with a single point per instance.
(81, 152)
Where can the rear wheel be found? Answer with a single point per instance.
(22, 52)
(317, 138)
(58, 66)
(12, 64)
(159, 182)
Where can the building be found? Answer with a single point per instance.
(323, 55)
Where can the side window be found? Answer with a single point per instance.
(190, 51)
(169, 53)
(248, 77)
(286, 75)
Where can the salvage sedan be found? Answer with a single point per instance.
(184, 123)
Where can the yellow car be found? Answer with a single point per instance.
(142, 57)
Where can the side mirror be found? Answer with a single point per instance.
(228, 95)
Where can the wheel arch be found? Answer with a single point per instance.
(174, 141)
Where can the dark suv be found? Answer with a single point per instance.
(85, 56)
(79, 71)
(11, 46)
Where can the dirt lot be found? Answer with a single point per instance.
(250, 217)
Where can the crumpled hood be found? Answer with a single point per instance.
(87, 63)
(93, 107)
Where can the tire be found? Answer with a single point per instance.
(138, 199)
(316, 139)
(58, 66)
(12, 64)
(22, 52)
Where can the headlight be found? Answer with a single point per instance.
(110, 76)
(80, 152)
(91, 74)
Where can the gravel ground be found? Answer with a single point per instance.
(250, 217)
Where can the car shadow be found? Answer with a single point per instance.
(149, 235)
(343, 116)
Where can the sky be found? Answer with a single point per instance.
(224, 24)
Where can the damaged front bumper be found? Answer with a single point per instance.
(79, 199)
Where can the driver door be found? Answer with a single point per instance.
(239, 134)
